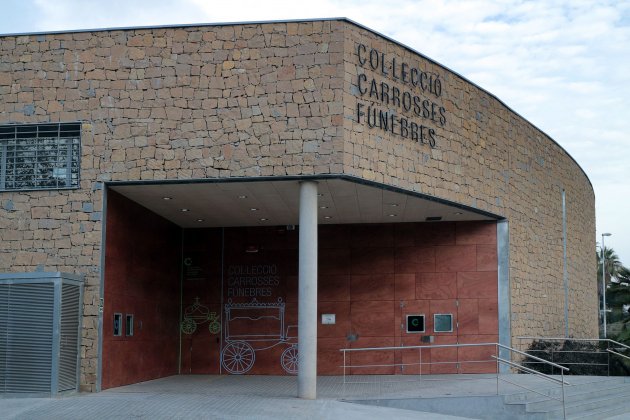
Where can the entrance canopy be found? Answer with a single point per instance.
(274, 201)
(364, 274)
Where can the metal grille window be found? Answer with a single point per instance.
(39, 156)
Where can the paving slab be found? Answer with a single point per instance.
(257, 397)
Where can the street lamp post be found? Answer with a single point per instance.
(604, 281)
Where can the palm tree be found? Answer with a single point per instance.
(624, 275)
(616, 292)
(614, 267)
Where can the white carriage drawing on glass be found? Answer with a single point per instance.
(255, 326)
(197, 314)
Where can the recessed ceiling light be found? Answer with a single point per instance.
(185, 210)
(254, 209)
(327, 217)
(262, 219)
(242, 196)
(320, 195)
(167, 198)
(458, 213)
(200, 220)
(392, 215)
(323, 207)
(251, 249)
(393, 204)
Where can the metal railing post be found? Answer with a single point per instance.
(564, 405)
(344, 367)
(497, 353)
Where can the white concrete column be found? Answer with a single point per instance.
(307, 292)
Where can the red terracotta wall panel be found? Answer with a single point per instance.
(371, 306)
(418, 306)
(479, 284)
(372, 235)
(476, 233)
(329, 358)
(291, 288)
(434, 234)
(372, 287)
(334, 261)
(444, 360)
(468, 316)
(426, 260)
(372, 260)
(362, 358)
(456, 258)
(334, 236)
(370, 277)
(373, 324)
(487, 258)
(404, 234)
(479, 338)
(405, 287)
(342, 324)
(142, 270)
(477, 359)
(332, 288)
(488, 316)
(436, 285)
(412, 361)
(406, 259)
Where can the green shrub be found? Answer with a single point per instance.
(581, 357)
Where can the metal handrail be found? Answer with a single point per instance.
(528, 370)
(434, 346)
(618, 354)
(618, 343)
(531, 356)
(575, 339)
(497, 358)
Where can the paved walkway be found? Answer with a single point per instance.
(254, 397)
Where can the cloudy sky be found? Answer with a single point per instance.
(563, 65)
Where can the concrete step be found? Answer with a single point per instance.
(616, 409)
(596, 399)
(589, 405)
(598, 386)
(582, 399)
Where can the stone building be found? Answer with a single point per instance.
(185, 171)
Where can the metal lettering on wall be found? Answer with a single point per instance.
(192, 269)
(408, 104)
(252, 280)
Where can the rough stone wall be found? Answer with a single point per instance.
(486, 157)
(171, 103)
(278, 99)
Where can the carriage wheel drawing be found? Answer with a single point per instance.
(238, 357)
(188, 326)
(214, 327)
(196, 314)
(289, 360)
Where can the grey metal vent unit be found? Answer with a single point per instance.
(40, 332)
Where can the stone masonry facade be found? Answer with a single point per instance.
(277, 99)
